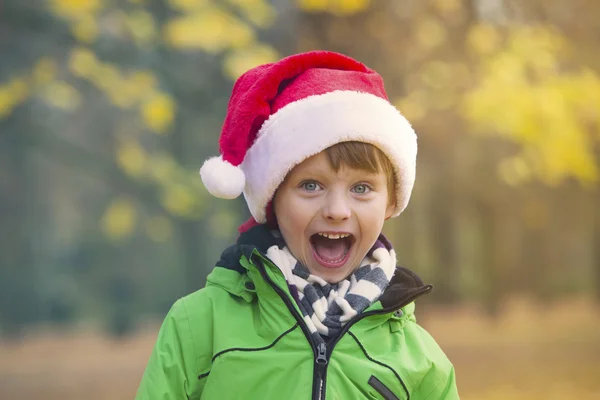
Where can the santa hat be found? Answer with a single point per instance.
(283, 113)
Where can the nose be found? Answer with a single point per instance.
(336, 207)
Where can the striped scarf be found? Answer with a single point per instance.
(326, 307)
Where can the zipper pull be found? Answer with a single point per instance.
(322, 354)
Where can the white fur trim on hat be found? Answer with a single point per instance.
(306, 127)
(222, 179)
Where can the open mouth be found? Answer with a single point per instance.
(331, 250)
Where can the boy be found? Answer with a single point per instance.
(309, 303)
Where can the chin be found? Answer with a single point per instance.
(334, 276)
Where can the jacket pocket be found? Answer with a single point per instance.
(382, 389)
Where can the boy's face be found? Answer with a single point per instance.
(349, 206)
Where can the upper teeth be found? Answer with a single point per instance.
(334, 235)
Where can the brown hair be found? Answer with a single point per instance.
(364, 156)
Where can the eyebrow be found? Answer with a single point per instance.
(363, 175)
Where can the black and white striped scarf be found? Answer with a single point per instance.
(328, 307)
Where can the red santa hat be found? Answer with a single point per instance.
(283, 113)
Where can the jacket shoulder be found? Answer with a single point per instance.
(173, 366)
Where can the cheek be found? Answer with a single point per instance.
(375, 207)
(373, 215)
(291, 219)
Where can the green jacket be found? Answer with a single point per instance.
(242, 337)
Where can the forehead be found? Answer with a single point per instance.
(318, 161)
(321, 164)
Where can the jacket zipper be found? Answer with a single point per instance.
(323, 351)
(320, 352)
(321, 367)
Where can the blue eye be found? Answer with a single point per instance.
(361, 188)
(310, 186)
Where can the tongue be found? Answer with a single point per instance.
(330, 249)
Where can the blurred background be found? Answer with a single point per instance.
(109, 107)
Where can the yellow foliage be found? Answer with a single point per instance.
(44, 71)
(85, 29)
(159, 229)
(6, 103)
(553, 115)
(107, 77)
(448, 7)
(587, 102)
(142, 82)
(508, 69)
(239, 61)
(430, 33)
(413, 106)
(119, 219)
(132, 158)
(483, 39)
(12, 94)
(337, 7)
(259, 12)
(19, 89)
(179, 200)
(81, 16)
(538, 46)
(74, 9)
(188, 5)
(83, 62)
(515, 171)
(142, 26)
(137, 88)
(162, 168)
(313, 5)
(158, 112)
(211, 30)
(526, 39)
(348, 7)
(61, 95)
(120, 98)
(121, 90)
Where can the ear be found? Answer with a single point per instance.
(389, 210)
(271, 217)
